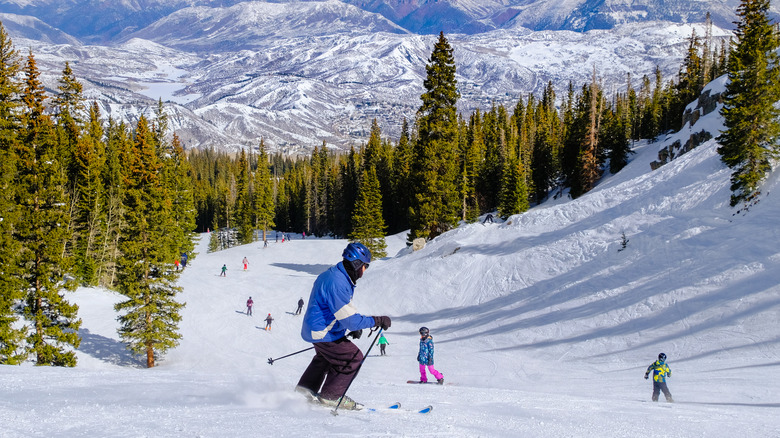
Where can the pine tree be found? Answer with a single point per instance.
(514, 193)
(750, 114)
(243, 208)
(42, 231)
(368, 226)
(88, 217)
(401, 182)
(150, 315)
(178, 181)
(435, 203)
(264, 194)
(117, 143)
(12, 350)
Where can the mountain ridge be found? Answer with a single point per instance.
(300, 74)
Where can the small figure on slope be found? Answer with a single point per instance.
(329, 315)
(300, 306)
(249, 304)
(382, 344)
(425, 357)
(224, 271)
(246, 263)
(268, 321)
(660, 372)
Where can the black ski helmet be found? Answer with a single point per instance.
(424, 331)
(662, 357)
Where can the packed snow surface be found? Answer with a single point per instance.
(544, 325)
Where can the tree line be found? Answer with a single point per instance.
(85, 203)
(448, 167)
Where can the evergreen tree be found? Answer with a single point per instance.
(178, 181)
(117, 143)
(435, 203)
(243, 208)
(88, 217)
(514, 194)
(12, 350)
(749, 111)
(470, 154)
(42, 231)
(150, 315)
(264, 194)
(368, 226)
(401, 181)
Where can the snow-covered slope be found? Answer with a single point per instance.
(543, 327)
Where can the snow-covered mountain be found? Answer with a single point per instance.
(544, 326)
(300, 73)
(97, 21)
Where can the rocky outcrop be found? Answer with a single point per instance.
(707, 103)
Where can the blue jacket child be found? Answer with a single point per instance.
(425, 357)
(660, 372)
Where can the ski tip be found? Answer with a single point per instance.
(426, 410)
(396, 405)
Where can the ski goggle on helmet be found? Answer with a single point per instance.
(424, 331)
(662, 357)
(357, 251)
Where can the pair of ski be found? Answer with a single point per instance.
(397, 407)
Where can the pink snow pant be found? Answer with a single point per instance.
(424, 377)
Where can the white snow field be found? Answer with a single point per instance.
(543, 328)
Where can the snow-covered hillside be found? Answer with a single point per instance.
(543, 327)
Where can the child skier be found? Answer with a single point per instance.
(425, 357)
(246, 263)
(268, 321)
(382, 343)
(224, 271)
(660, 372)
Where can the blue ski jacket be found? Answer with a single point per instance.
(330, 312)
(425, 356)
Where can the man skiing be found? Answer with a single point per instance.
(660, 372)
(268, 321)
(300, 306)
(249, 304)
(329, 315)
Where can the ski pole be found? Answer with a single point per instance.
(271, 361)
(356, 373)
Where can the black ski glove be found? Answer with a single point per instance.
(355, 334)
(645, 376)
(382, 321)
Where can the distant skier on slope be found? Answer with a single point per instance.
(660, 372)
(246, 263)
(249, 304)
(382, 344)
(329, 315)
(300, 306)
(425, 357)
(268, 321)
